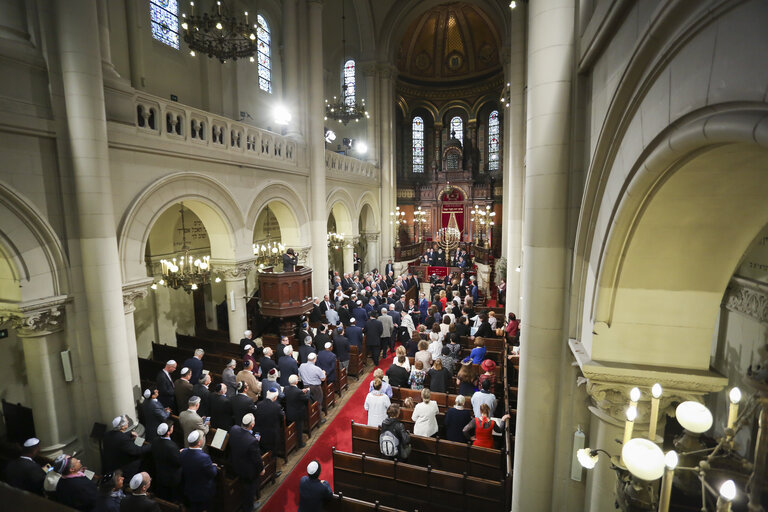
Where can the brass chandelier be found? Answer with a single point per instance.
(218, 35)
(185, 271)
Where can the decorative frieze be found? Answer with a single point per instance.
(234, 272)
(748, 297)
(38, 318)
(134, 291)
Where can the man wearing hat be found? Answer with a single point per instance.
(254, 386)
(341, 346)
(24, 473)
(296, 401)
(306, 349)
(322, 338)
(154, 412)
(344, 313)
(165, 453)
(221, 407)
(165, 385)
(228, 377)
(183, 389)
(74, 489)
(373, 333)
(359, 313)
(270, 384)
(326, 361)
(388, 328)
(119, 451)
(287, 365)
(313, 378)
(245, 457)
(313, 492)
(484, 396)
(268, 419)
(190, 420)
(138, 501)
(198, 473)
(242, 403)
(354, 333)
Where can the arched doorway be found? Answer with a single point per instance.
(367, 247)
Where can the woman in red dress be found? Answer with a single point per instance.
(483, 427)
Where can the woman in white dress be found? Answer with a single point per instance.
(425, 415)
(376, 403)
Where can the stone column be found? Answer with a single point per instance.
(291, 67)
(388, 181)
(131, 293)
(348, 255)
(234, 282)
(137, 16)
(372, 125)
(78, 40)
(373, 252)
(550, 71)
(316, 140)
(514, 158)
(42, 336)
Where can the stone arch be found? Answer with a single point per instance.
(371, 220)
(35, 255)
(288, 207)
(341, 204)
(661, 264)
(207, 198)
(451, 105)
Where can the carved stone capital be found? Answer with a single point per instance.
(303, 255)
(370, 237)
(234, 272)
(38, 318)
(747, 297)
(134, 291)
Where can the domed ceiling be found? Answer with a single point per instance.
(451, 42)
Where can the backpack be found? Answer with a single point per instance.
(388, 444)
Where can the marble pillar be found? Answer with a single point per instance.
(372, 125)
(372, 252)
(234, 283)
(291, 67)
(388, 181)
(550, 71)
(131, 293)
(81, 70)
(316, 142)
(137, 16)
(348, 255)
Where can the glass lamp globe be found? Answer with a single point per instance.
(644, 459)
(586, 459)
(694, 417)
(728, 490)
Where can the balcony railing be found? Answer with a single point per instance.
(345, 167)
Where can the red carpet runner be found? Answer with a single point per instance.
(338, 434)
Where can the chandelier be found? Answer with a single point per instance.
(268, 253)
(335, 240)
(345, 108)
(185, 270)
(483, 221)
(218, 35)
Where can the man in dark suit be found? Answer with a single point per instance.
(287, 365)
(325, 305)
(322, 338)
(138, 501)
(154, 412)
(119, 451)
(245, 457)
(182, 389)
(242, 404)
(373, 331)
(290, 260)
(247, 339)
(326, 360)
(220, 407)
(296, 401)
(195, 363)
(266, 362)
(354, 334)
(201, 389)
(74, 489)
(345, 314)
(24, 473)
(389, 268)
(165, 385)
(359, 313)
(313, 492)
(306, 349)
(341, 346)
(315, 315)
(268, 421)
(165, 453)
(198, 473)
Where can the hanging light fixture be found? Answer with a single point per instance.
(186, 271)
(218, 35)
(345, 108)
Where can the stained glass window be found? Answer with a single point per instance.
(457, 129)
(164, 17)
(264, 54)
(418, 144)
(349, 82)
(493, 141)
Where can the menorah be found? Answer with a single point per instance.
(449, 237)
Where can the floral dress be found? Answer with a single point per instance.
(416, 380)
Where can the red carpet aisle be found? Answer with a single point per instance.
(338, 434)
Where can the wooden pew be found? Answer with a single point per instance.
(329, 396)
(289, 438)
(313, 417)
(405, 485)
(444, 400)
(356, 360)
(341, 503)
(341, 378)
(231, 350)
(438, 453)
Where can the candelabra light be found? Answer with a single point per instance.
(419, 223)
(335, 240)
(186, 270)
(397, 218)
(269, 253)
(220, 36)
(483, 220)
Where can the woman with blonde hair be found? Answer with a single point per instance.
(425, 415)
(484, 427)
(423, 355)
(378, 373)
(376, 403)
(416, 379)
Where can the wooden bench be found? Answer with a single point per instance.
(341, 503)
(341, 379)
(356, 360)
(406, 485)
(444, 400)
(438, 453)
(232, 350)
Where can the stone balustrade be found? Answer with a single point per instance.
(346, 167)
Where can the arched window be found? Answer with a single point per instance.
(418, 144)
(264, 54)
(349, 83)
(457, 129)
(164, 18)
(493, 141)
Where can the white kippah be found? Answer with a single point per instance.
(184, 370)
(328, 345)
(288, 350)
(351, 320)
(193, 437)
(312, 468)
(136, 481)
(117, 421)
(171, 362)
(248, 347)
(147, 393)
(248, 419)
(32, 441)
(312, 356)
(162, 429)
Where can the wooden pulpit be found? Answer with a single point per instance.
(285, 294)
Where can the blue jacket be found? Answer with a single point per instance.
(312, 494)
(196, 365)
(355, 335)
(287, 366)
(244, 453)
(423, 308)
(326, 360)
(360, 315)
(198, 474)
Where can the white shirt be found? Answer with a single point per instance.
(425, 418)
(376, 404)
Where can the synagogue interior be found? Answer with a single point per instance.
(393, 255)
